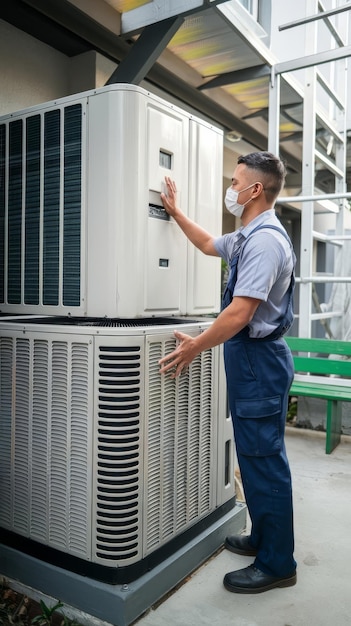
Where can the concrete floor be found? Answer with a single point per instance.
(322, 596)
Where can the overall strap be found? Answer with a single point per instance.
(261, 226)
(229, 290)
(287, 318)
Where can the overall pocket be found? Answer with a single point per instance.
(257, 426)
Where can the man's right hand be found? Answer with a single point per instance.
(197, 235)
(169, 200)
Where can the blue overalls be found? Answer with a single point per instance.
(259, 374)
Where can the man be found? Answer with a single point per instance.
(257, 311)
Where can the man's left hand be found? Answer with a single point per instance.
(178, 360)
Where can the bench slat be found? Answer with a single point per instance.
(320, 380)
(326, 346)
(317, 360)
(318, 365)
(321, 391)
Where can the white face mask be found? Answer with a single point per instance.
(231, 201)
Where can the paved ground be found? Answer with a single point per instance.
(322, 596)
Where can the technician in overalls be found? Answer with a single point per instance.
(257, 311)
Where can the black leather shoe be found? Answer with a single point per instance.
(253, 580)
(240, 544)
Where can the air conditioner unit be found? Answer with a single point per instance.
(83, 231)
(105, 465)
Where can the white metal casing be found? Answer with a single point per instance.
(100, 456)
(108, 150)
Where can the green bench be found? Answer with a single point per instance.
(321, 371)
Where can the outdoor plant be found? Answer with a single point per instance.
(17, 609)
(292, 411)
(45, 618)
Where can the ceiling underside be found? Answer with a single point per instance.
(208, 63)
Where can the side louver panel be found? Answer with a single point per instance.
(46, 440)
(41, 215)
(180, 446)
(155, 448)
(118, 477)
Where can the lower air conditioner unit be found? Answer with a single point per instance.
(105, 465)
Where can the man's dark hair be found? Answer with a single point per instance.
(272, 171)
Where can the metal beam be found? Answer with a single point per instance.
(239, 76)
(329, 125)
(72, 20)
(135, 20)
(313, 18)
(313, 59)
(330, 165)
(145, 52)
(330, 91)
(313, 198)
(330, 238)
(323, 279)
(331, 28)
(284, 107)
(68, 19)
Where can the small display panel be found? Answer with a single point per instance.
(165, 159)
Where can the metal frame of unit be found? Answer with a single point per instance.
(336, 126)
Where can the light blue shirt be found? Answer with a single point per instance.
(264, 269)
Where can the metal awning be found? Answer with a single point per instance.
(209, 54)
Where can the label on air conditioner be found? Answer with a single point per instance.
(158, 211)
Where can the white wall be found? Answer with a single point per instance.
(287, 44)
(30, 72)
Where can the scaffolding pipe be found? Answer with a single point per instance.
(331, 238)
(313, 59)
(322, 279)
(324, 196)
(313, 18)
(326, 316)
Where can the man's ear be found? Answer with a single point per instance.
(258, 188)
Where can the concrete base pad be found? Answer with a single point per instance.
(121, 604)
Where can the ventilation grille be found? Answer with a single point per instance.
(45, 441)
(155, 450)
(40, 217)
(119, 453)
(179, 446)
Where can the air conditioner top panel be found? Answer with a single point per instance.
(103, 326)
(67, 100)
(117, 87)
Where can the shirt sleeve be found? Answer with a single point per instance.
(222, 247)
(262, 261)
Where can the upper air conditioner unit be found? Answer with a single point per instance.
(82, 228)
(106, 466)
